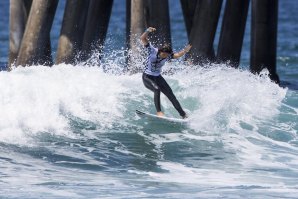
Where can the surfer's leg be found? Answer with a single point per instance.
(151, 85)
(166, 89)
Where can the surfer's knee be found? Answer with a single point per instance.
(156, 88)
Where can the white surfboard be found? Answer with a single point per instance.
(161, 119)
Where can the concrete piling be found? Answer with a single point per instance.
(99, 13)
(157, 15)
(36, 35)
(19, 11)
(72, 31)
(137, 21)
(232, 31)
(128, 16)
(135, 26)
(264, 37)
(203, 31)
(188, 9)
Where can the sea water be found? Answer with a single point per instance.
(70, 131)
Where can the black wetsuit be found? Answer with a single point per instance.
(153, 80)
(158, 84)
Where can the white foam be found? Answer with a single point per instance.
(41, 99)
(226, 96)
(179, 173)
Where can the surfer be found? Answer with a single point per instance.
(152, 78)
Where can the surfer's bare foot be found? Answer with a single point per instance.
(160, 114)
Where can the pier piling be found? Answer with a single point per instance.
(203, 30)
(135, 27)
(72, 31)
(19, 11)
(157, 15)
(264, 37)
(232, 32)
(98, 18)
(137, 22)
(188, 9)
(36, 35)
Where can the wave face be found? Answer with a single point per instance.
(73, 132)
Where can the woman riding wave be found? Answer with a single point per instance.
(152, 79)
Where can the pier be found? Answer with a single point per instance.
(85, 23)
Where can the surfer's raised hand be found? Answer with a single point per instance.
(151, 29)
(144, 36)
(187, 48)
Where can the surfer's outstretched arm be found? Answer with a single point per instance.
(144, 36)
(185, 50)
